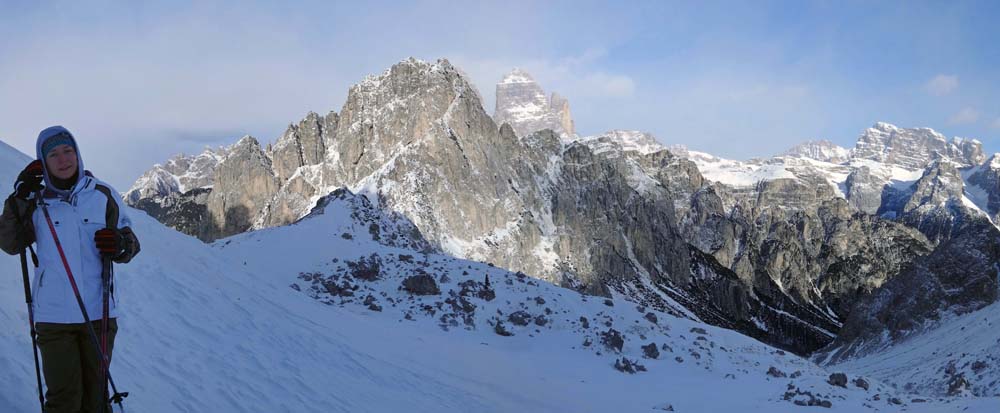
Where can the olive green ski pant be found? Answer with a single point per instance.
(71, 366)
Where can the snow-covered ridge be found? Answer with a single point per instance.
(737, 173)
(995, 161)
(627, 140)
(894, 156)
(822, 150)
(14, 161)
(374, 81)
(179, 174)
(915, 147)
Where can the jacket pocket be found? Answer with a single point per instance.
(39, 282)
(93, 221)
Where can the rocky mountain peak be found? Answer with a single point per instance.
(626, 140)
(940, 182)
(179, 174)
(994, 161)
(914, 148)
(244, 182)
(521, 102)
(517, 76)
(242, 145)
(303, 144)
(984, 186)
(407, 75)
(935, 204)
(821, 150)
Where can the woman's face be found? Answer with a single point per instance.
(61, 162)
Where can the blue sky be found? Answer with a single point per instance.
(139, 82)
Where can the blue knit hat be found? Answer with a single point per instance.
(63, 138)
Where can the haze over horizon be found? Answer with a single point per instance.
(737, 80)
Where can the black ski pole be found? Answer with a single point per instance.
(118, 397)
(105, 280)
(31, 310)
(31, 320)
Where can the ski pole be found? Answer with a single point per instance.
(31, 310)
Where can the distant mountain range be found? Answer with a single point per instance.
(822, 249)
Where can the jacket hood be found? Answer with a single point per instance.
(45, 135)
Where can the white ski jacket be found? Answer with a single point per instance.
(75, 221)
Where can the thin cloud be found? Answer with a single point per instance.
(995, 124)
(618, 86)
(942, 85)
(965, 116)
(577, 77)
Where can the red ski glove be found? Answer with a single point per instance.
(109, 242)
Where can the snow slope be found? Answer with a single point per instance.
(13, 161)
(219, 328)
(952, 351)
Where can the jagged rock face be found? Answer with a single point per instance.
(297, 159)
(156, 183)
(821, 150)
(303, 144)
(177, 193)
(787, 251)
(632, 225)
(960, 276)
(387, 115)
(932, 205)
(797, 234)
(419, 141)
(626, 235)
(864, 190)
(244, 183)
(913, 148)
(178, 175)
(522, 103)
(187, 212)
(813, 246)
(986, 181)
(560, 106)
(623, 140)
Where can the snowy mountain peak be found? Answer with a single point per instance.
(821, 150)
(517, 76)
(409, 65)
(522, 103)
(994, 161)
(247, 140)
(914, 148)
(178, 175)
(627, 140)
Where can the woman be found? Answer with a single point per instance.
(77, 222)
